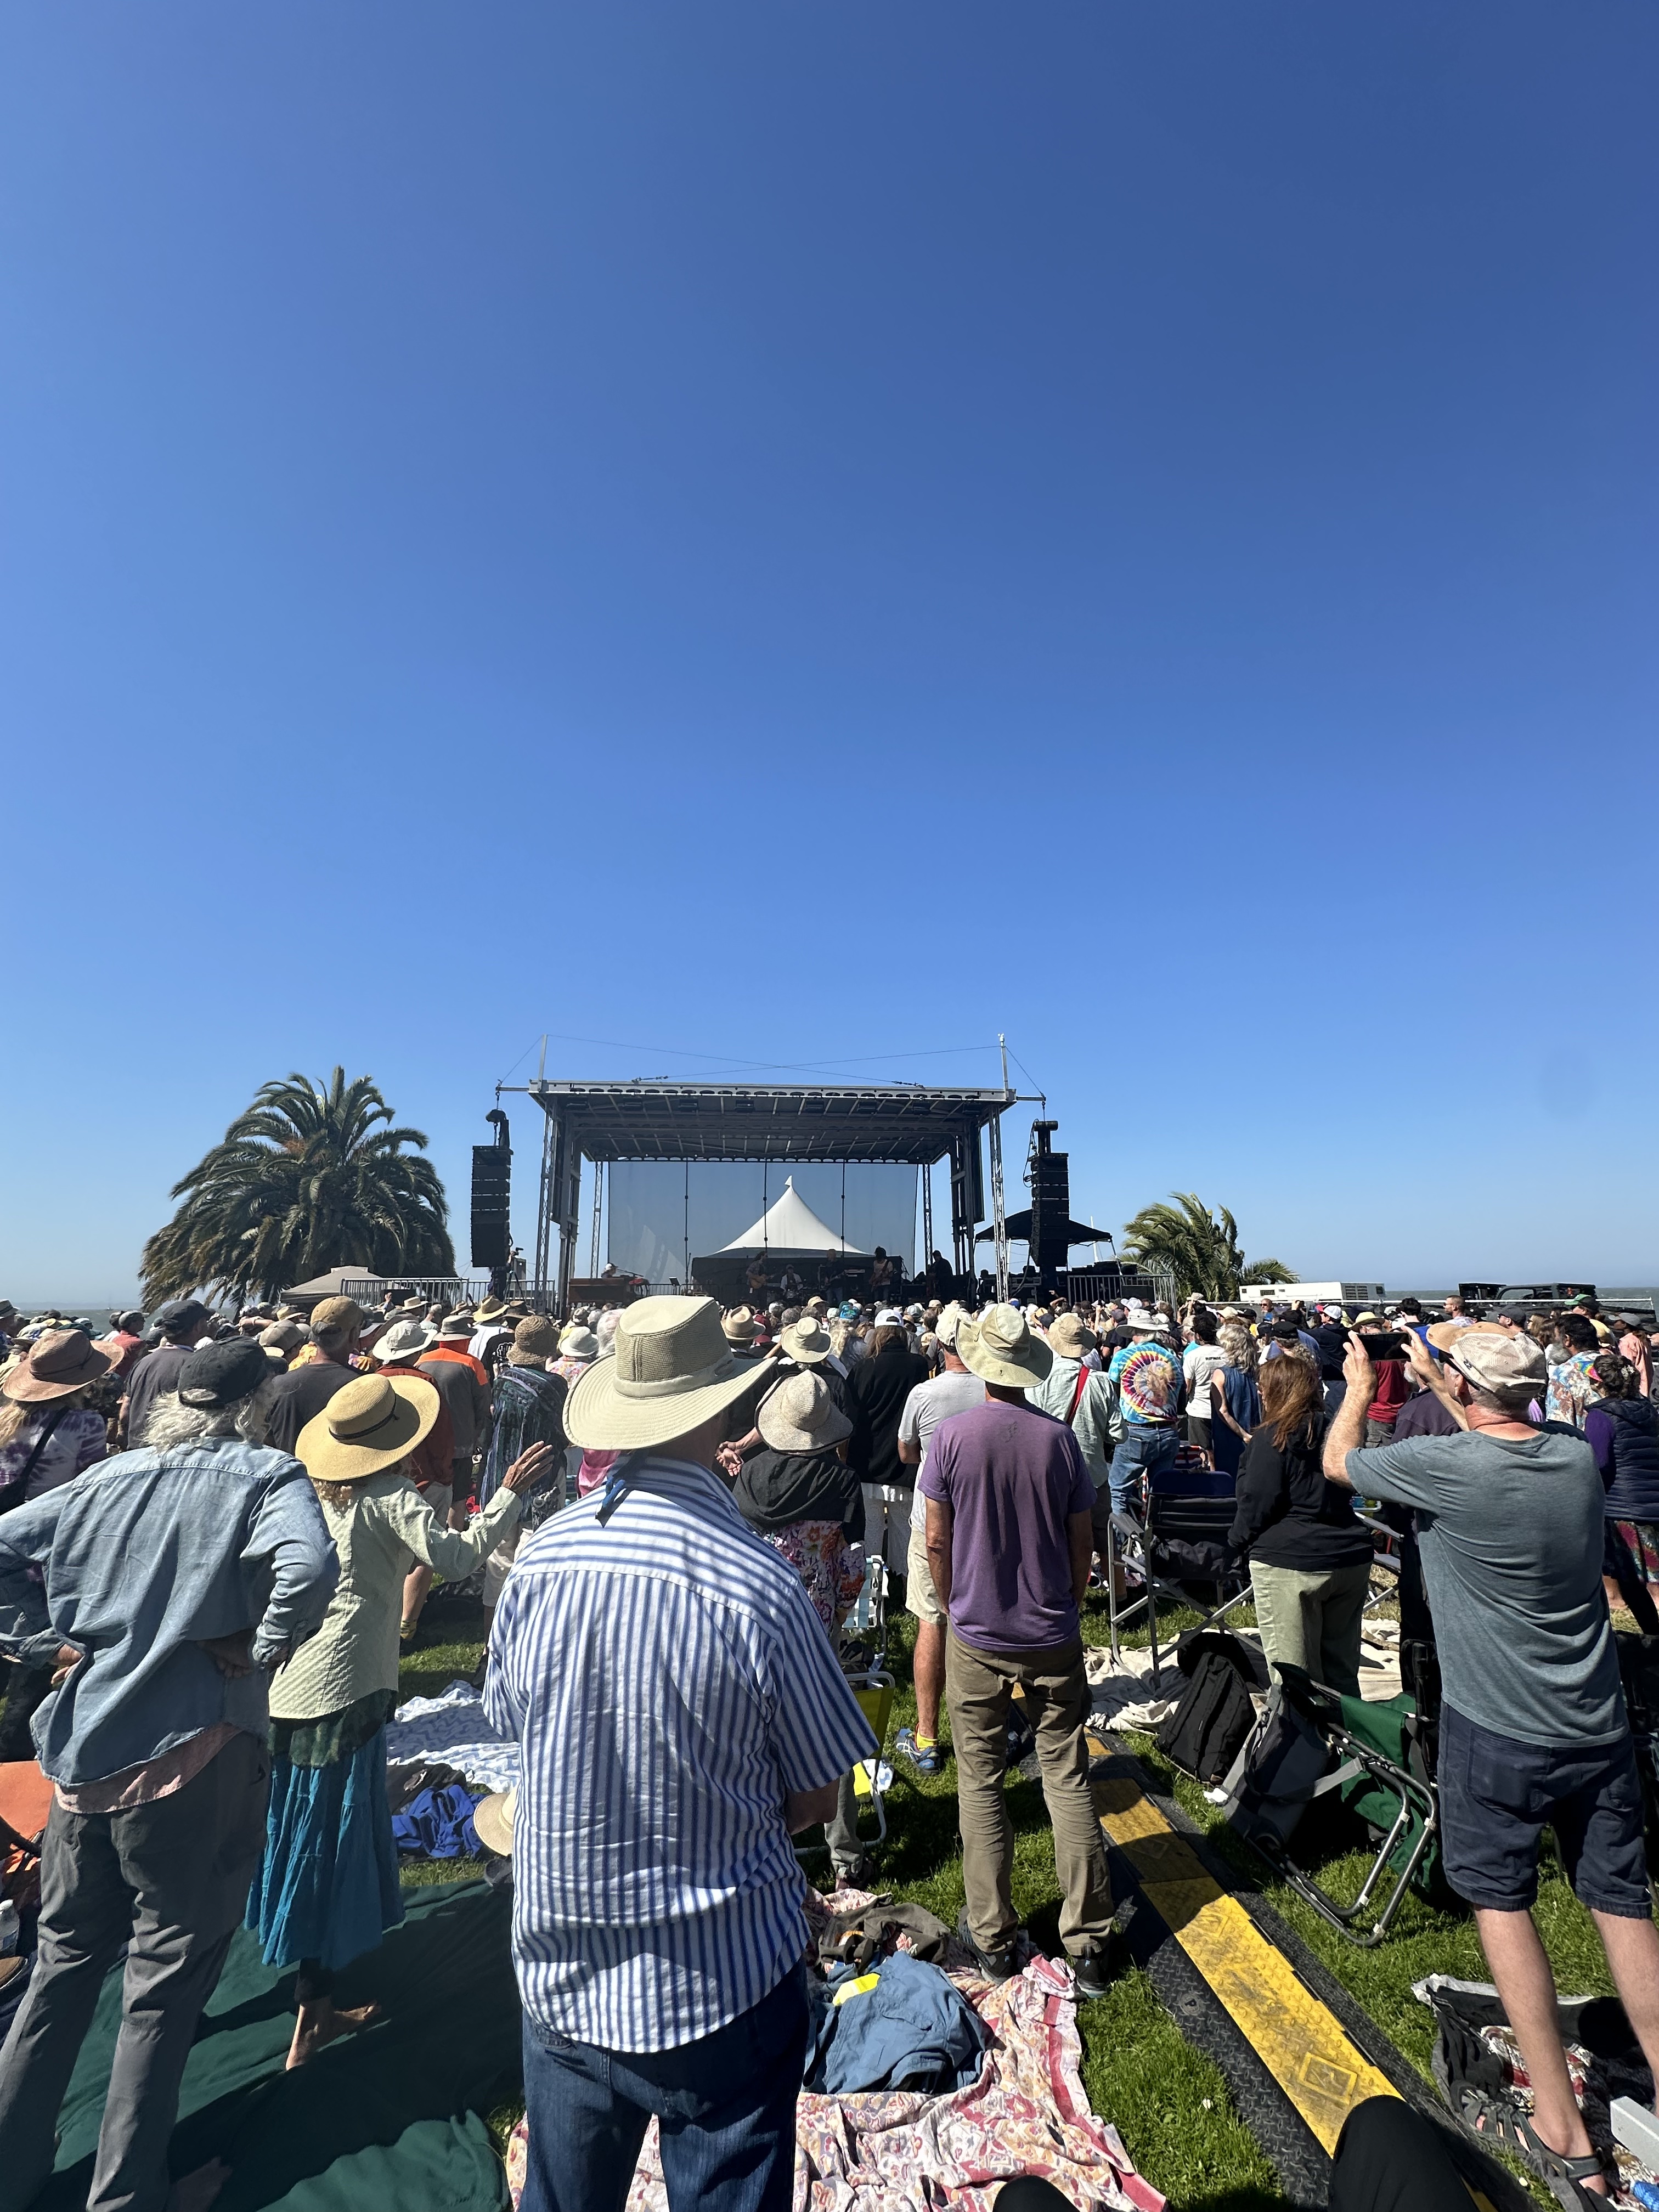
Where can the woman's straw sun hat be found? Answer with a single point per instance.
(369, 1426)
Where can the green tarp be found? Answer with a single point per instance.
(387, 2119)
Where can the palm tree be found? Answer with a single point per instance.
(1199, 1251)
(303, 1182)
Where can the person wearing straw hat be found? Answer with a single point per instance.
(328, 1885)
(161, 1588)
(665, 1678)
(1010, 1533)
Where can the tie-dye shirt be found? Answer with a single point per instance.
(1148, 1379)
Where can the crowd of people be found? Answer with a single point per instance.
(218, 1532)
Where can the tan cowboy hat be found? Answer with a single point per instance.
(491, 1309)
(493, 1818)
(369, 1426)
(54, 1365)
(806, 1341)
(739, 1325)
(1069, 1337)
(1001, 1348)
(801, 1416)
(673, 1370)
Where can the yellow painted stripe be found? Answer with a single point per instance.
(1299, 2040)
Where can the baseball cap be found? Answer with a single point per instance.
(889, 1317)
(179, 1316)
(219, 1375)
(1494, 1361)
(335, 1317)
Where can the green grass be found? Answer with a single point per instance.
(1168, 2101)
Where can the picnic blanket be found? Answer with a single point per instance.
(453, 1728)
(896, 2151)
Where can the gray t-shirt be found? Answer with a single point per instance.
(927, 1405)
(1511, 1539)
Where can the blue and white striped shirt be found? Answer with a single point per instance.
(670, 1685)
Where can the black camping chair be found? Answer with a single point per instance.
(1178, 1539)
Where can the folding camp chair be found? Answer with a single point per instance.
(1179, 1537)
(1379, 1764)
(873, 1687)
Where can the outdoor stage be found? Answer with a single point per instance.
(906, 1124)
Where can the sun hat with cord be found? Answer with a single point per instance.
(673, 1370)
(799, 1415)
(404, 1343)
(1069, 1337)
(372, 1425)
(60, 1362)
(806, 1341)
(1000, 1348)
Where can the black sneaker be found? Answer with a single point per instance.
(996, 1965)
(1094, 1972)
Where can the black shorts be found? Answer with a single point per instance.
(1496, 1798)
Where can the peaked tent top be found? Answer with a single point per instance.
(790, 1225)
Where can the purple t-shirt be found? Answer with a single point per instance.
(1011, 1477)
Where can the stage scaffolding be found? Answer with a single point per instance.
(907, 1124)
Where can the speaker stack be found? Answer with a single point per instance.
(492, 1176)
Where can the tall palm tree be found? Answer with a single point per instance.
(303, 1182)
(1199, 1249)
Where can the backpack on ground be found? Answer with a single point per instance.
(1208, 1729)
(1283, 1766)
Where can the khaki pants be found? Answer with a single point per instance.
(1313, 1621)
(978, 1695)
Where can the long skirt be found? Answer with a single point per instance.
(327, 1888)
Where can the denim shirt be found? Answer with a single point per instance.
(138, 1561)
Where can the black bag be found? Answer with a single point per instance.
(1283, 1767)
(1208, 1729)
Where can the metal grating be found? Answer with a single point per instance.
(906, 1123)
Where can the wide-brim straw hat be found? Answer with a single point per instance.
(404, 1343)
(801, 1416)
(999, 1347)
(62, 1361)
(492, 1818)
(805, 1341)
(672, 1371)
(491, 1309)
(369, 1426)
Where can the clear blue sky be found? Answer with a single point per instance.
(811, 533)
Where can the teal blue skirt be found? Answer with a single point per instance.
(327, 1887)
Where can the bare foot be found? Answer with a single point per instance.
(194, 2192)
(325, 2023)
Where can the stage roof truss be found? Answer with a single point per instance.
(904, 1122)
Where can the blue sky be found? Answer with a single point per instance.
(797, 534)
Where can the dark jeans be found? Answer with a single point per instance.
(167, 1884)
(727, 2105)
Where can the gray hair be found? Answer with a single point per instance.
(172, 1423)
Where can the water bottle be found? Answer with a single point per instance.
(8, 1927)
(1646, 2195)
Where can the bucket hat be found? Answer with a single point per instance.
(369, 1426)
(1069, 1337)
(537, 1337)
(806, 1341)
(64, 1360)
(673, 1370)
(1001, 1348)
(579, 1344)
(404, 1343)
(801, 1416)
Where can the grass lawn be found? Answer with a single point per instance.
(1168, 2103)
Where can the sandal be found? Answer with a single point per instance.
(1500, 2122)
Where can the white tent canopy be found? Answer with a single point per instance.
(790, 1225)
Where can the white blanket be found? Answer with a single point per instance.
(454, 1729)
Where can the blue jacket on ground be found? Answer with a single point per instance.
(914, 2030)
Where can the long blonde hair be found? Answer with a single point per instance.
(16, 1414)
